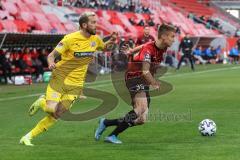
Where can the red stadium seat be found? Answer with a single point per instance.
(106, 26)
(27, 17)
(140, 17)
(130, 15)
(58, 26)
(29, 70)
(126, 23)
(10, 7)
(46, 27)
(35, 2)
(52, 18)
(81, 10)
(15, 70)
(16, 1)
(35, 7)
(9, 25)
(21, 25)
(22, 7)
(193, 6)
(70, 27)
(146, 16)
(1, 28)
(119, 28)
(115, 20)
(40, 17)
(99, 13)
(139, 29)
(4, 14)
(105, 15)
(103, 29)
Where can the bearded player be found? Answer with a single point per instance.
(68, 75)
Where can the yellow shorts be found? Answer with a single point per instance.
(58, 92)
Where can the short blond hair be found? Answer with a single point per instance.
(84, 17)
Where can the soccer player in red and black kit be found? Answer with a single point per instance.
(139, 77)
(146, 37)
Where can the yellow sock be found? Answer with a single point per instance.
(43, 125)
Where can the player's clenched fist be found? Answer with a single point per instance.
(114, 36)
(51, 66)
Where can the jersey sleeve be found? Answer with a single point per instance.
(145, 55)
(100, 43)
(62, 46)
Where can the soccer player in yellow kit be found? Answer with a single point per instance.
(68, 76)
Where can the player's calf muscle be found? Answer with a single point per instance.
(141, 104)
(59, 111)
(141, 108)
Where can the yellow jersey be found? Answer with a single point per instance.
(76, 53)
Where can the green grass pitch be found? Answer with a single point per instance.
(212, 91)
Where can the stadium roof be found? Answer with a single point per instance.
(28, 40)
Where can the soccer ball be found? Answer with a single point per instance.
(102, 71)
(207, 127)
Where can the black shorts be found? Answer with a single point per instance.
(135, 85)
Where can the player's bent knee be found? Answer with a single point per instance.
(51, 107)
(141, 109)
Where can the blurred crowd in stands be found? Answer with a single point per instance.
(33, 61)
(23, 61)
(141, 22)
(1, 7)
(209, 22)
(118, 5)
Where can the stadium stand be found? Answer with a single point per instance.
(209, 9)
(53, 17)
(38, 24)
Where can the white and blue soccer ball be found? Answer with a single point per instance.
(207, 127)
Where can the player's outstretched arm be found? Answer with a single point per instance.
(136, 49)
(111, 41)
(129, 51)
(148, 76)
(51, 59)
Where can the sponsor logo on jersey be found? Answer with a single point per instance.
(147, 57)
(54, 95)
(83, 54)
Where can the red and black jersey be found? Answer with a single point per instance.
(143, 39)
(148, 53)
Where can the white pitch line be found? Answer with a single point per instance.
(20, 97)
(200, 72)
(181, 74)
(167, 75)
(102, 83)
